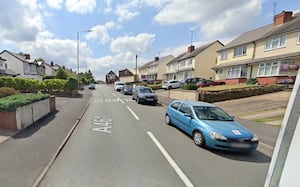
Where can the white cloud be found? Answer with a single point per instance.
(81, 6)
(20, 21)
(101, 32)
(56, 4)
(133, 44)
(124, 12)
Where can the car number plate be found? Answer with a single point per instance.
(149, 99)
(240, 145)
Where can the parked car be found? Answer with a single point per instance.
(210, 126)
(118, 86)
(143, 94)
(126, 90)
(172, 84)
(205, 83)
(193, 80)
(92, 86)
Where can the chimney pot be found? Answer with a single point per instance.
(156, 58)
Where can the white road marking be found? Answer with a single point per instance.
(179, 172)
(121, 100)
(136, 117)
(114, 94)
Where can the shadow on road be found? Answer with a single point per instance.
(30, 130)
(255, 156)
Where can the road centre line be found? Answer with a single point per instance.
(136, 117)
(179, 172)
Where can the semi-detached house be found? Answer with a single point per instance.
(195, 62)
(23, 66)
(271, 53)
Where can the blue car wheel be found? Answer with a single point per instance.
(198, 139)
(168, 119)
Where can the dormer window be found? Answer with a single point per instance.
(275, 43)
(241, 50)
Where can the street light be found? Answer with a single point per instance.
(78, 32)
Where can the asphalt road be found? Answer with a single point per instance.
(121, 143)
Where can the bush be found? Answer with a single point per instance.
(5, 91)
(155, 86)
(251, 81)
(54, 84)
(11, 103)
(21, 84)
(72, 83)
(190, 87)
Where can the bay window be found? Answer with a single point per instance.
(237, 72)
(271, 69)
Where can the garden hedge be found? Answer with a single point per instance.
(11, 103)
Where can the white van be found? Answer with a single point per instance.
(118, 86)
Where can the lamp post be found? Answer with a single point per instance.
(78, 32)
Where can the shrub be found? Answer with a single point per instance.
(251, 81)
(55, 84)
(155, 86)
(11, 103)
(21, 84)
(72, 83)
(6, 91)
(190, 87)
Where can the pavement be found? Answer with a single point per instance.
(267, 106)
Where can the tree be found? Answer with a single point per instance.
(61, 74)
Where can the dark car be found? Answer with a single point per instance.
(143, 94)
(126, 90)
(193, 80)
(205, 83)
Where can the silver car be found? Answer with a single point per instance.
(167, 85)
(143, 94)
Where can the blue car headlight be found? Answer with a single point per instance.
(217, 136)
(255, 138)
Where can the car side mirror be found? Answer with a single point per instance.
(188, 115)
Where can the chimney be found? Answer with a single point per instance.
(52, 64)
(27, 56)
(191, 48)
(283, 17)
(156, 58)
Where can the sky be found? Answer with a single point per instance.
(122, 29)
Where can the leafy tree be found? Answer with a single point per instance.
(61, 74)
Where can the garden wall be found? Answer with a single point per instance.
(26, 115)
(215, 96)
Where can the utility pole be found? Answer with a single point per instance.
(136, 76)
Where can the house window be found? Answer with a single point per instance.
(224, 55)
(275, 43)
(241, 50)
(237, 72)
(182, 64)
(298, 39)
(190, 62)
(270, 69)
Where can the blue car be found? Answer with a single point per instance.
(210, 126)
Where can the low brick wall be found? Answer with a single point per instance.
(190, 95)
(212, 97)
(26, 115)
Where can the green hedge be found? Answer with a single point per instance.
(11, 103)
(21, 84)
(190, 87)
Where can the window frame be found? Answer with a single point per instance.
(240, 51)
(268, 69)
(298, 38)
(270, 43)
(224, 55)
(236, 72)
